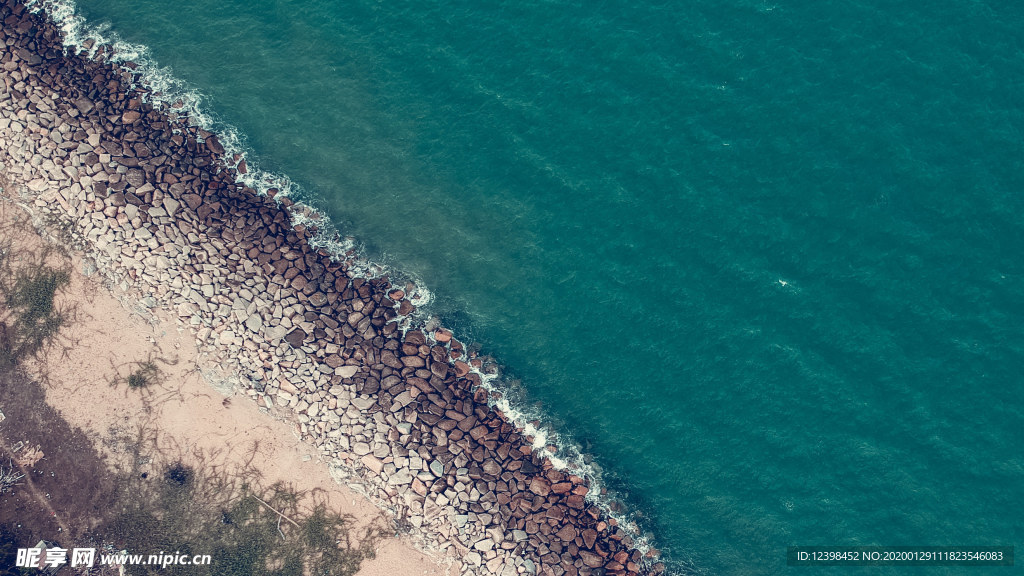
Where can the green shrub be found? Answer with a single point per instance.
(33, 293)
(247, 530)
(30, 318)
(146, 374)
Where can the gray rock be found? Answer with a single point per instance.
(171, 205)
(363, 403)
(254, 323)
(401, 401)
(400, 478)
(437, 468)
(274, 333)
(346, 371)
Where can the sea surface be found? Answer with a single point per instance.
(762, 260)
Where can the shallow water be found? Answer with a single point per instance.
(762, 260)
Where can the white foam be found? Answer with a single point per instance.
(568, 456)
(179, 98)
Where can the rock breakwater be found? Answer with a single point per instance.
(157, 203)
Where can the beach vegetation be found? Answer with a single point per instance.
(9, 477)
(30, 316)
(247, 529)
(145, 374)
(147, 496)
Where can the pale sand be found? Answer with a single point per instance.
(107, 341)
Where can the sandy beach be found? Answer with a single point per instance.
(85, 382)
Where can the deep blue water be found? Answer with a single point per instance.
(761, 259)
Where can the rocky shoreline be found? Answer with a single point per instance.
(157, 205)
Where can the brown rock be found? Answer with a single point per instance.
(136, 177)
(193, 200)
(567, 533)
(421, 384)
(555, 512)
(439, 369)
(491, 467)
(389, 359)
(540, 486)
(413, 361)
(461, 368)
(480, 396)
(589, 537)
(418, 487)
(372, 463)
(130, 117)
(467, 423)
(84, 105)
(213, 145)
(280, 266)
(204, 211)
(295, 337)
(561, 487)
(591, 560)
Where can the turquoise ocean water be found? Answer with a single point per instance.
(761, 259)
